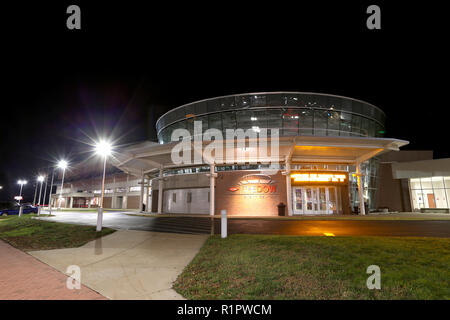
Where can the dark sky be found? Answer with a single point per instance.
(60, 86)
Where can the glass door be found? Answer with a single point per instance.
(332, 200)
(323, 195)
(298, 200)
(310, 200)
(315, 200)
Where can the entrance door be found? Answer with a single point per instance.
(314, 200)
(431, 202)
(298, 201)
(311, 201)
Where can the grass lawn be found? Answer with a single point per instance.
(294, 267)
(30, 234)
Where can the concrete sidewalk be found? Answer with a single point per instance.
(23, 277)
(130, 264)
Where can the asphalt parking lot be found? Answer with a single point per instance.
(202, 225)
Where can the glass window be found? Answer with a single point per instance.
(229, 120)
(415, 183)
(320, 122)
(379, 130)
(364, 127)
(292, 100)
(356, 125)
(306, 122)
(371, 129)
(438, 182)
(346, 124)
(190, 125)
(205, 122)
(333, 123)
(345, 104)
(258, 100)
(242, 101)
(215, 121)
(243, 119)
(357, 107)
(275, 100)
(447, 182)
(200, 108)
(440, 198)
(227, 103)
(274, 119)
(290, 122)
(259, 119)
(426, 183)
(214, 105)
(447, 197)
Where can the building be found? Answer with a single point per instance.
(326, 159)
(414, 181)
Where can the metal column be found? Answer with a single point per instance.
(288, 188)
(362, 209)
(212, 196)
(160, 190)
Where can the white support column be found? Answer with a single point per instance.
(160, 190)
(148, 207)
(71, 202)
(125, 198)
(141, 198)
(288, 188)
(362, 209)
(212, 196)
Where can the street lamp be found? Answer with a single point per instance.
(104, 149)
(21, 182)
(62, 164)
(50, 194)
(41, 180)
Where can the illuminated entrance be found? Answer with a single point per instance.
(315, 200)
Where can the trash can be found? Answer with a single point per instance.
(281, 209)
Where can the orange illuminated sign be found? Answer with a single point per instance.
(318, 177)
(255, 184)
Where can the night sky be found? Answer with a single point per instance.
(61, 87)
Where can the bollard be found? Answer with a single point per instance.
(99, 219)
(20, 211)
(39, 210)
(224, 223)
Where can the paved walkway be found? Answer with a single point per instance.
(23, 277)
(130, 264)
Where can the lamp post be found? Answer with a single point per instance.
(62, 164)
(45, 188)
(102, 148)
(50, 194)
(41, 180)
(21, 182)
(35, 192)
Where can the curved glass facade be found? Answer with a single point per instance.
(292, 113)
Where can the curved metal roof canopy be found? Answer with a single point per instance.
(148, 157)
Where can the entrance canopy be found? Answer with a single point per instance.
(148, 157)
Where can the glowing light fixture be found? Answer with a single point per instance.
(103, 148)
(318, 177)
(62, 164)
